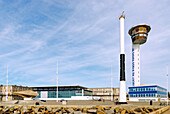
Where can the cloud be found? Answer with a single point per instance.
(83, 37)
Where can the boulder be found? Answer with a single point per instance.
(84, 110)
(16, 112)
(117, 109)
(150, 109)
(111, 111)
(101, 112)
(123, 111)
(77, 112)
(5, 109)
(36, 110)
(92, 111)
(143, 112)
(138, 109)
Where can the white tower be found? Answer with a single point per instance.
(122, 95)
(138, 35)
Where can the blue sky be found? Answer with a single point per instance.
(83, 35)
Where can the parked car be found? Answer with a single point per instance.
(43, 100)
(63, 100)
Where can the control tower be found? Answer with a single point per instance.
(139, 34)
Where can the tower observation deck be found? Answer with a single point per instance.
(139, 34)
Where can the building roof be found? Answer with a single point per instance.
(139, 25)
(154, 85)
(71, 86)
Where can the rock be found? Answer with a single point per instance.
(54, 110)
(11, 109)
(123, 111)
(49, 109)
(64, 110)
(143, 112)
(69, 110)
(107, 108)
(1, 109)
(132, 112)
(38, 113)
(36, 110)
(117, 109)
(16, 107)
(128, 111)
(111, 111)
(29, 107)
(92, 111)
(16, 112)
(60, 112)
(138, 109)
(77, 112)
(101, 112)
(84, 110)
(146, 110)
(75, 109)
(150, 109)
(5, 109)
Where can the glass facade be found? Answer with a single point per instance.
(39, 96)
(148, 91)
(63, 92)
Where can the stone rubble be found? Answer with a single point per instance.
(20, 109)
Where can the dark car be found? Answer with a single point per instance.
(63, 100)
(43, 100)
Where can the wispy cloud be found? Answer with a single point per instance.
(83, 37)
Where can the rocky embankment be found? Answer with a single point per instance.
(19, 109)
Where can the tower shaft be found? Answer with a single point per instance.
(135, 64)
(122, 48)
(122, 95)
(139, 34)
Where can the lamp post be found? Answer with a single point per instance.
(111, 86)
(57, 81)
(7, 85)
(167, 84)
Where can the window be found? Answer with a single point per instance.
(141, 29)
(144, 29)
(144, 35)
(134, 89)
(141, 34)
(137, 29)
(134, 95)
(143, 95)
(143, 89)
(147, 95)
